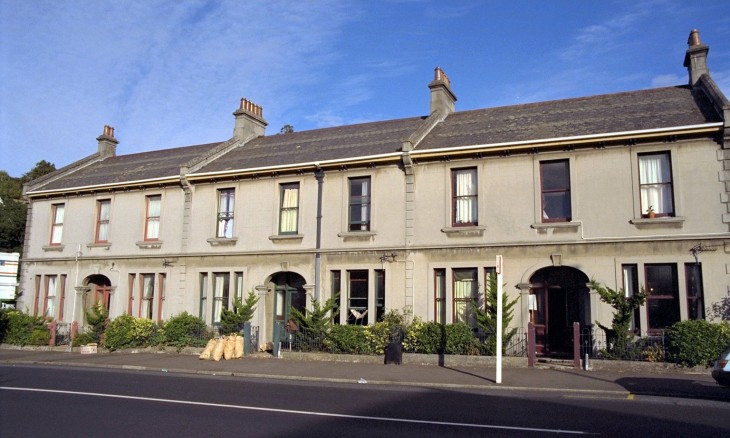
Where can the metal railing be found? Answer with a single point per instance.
(642, 346)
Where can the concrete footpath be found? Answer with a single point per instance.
(618, 382)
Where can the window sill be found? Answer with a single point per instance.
(286, 238)
(50, 248)
(153, 244)
(640, 222)
(105, 245)
(551, 225)
(472, 231)
(357, 235)
(222, 241)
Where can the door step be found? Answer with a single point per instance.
(555, 363)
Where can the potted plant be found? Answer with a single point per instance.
(650, 213)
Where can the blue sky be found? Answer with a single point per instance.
(170, 73)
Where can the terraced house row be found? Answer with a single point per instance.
(630, 189)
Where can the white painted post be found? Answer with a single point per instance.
(499, 319)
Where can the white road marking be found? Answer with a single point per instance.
(291, 411)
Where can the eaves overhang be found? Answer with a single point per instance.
(303, 166)
(657, 133)
(124, 185)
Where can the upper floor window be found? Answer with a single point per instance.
(555, 191)
(655, 181)
(103, 209)
(289, 212)
(464, 197)
(152, 220)
(226, 202)
(57, 223)
(360, 204)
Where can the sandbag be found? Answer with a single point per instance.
(238, 347)
(229, 347)
(220, 345)
(205, 355)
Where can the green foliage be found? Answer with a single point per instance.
(318, 318)
(349, 339)
(97, 317)
(126, 331)
(41, 168)
(619, 335)
(4, 323)
(460, 340)
(697, 342)
(85, 338)
(232, 320)
(487, 317)
(23, 329)
(425, 337)
(185, 330)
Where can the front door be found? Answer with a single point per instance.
(288, 293)
(561, 298)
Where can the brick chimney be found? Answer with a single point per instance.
(107, 142)
(442, 98)
(249, 121)
(696, 58)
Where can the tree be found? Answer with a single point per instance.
(619, 335)
(232, 320)
(13, 210)
(487, 316)
(319, 317)
(41, 168)
(286, 129)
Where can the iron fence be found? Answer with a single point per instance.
(642, 346)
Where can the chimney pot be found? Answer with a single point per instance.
(694, 38)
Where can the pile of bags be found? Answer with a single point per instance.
(226, 347)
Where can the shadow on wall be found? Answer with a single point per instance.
(720, 310)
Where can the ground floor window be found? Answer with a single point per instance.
(147, 295)
(439, 296)
(695, 293)
(631, 287)
(466, 292)
(357, 296)
(203, 295)
(221, 285)
(336, 278)
(662, 300)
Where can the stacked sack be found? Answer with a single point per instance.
(226, 347)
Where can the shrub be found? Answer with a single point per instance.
(97, 317)
(348, 339)
(697, 342)
(460, 340)
(23, 329)
(619, 335)
(487, 317)
(84, 338)
(232, 320)
(185, 330)
(126, 331)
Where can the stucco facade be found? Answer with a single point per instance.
(405, 214)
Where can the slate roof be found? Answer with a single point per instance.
(318, 145)
(608, 113)
(162, 163)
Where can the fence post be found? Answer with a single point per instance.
(576, 345)
(246, 338)
(52, 340)
(277, 342)
(531, 345)
(74, 331)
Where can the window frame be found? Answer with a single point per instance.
(226, 213)
(151, 218)
(660, 186)
(361, 279)
(363, 202)
(439, 295)
(220, 301)
(146, 295)
(470, 200)
(463, 302)
(694, 290)
(630, 285)
(566, 190)
(57, 220)
(663, 297)
(102, 223)
(286, 210)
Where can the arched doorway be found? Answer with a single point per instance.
(288, 288)
(98, 290)
(562, 298)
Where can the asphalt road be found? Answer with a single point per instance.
(50, 401)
